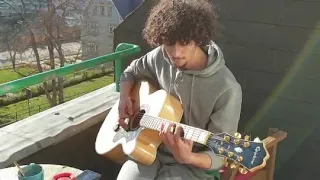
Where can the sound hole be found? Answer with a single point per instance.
(135, 121)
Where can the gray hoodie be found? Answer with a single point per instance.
(211, 98)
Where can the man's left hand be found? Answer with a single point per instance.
(180, 148)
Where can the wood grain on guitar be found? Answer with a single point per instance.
(156, 107)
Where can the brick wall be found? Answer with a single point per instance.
(273, 48)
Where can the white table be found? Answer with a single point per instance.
(50, 170)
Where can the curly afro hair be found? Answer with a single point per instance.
(172, 21)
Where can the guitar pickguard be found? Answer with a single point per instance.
(128, 135)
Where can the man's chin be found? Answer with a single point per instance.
(180, 67)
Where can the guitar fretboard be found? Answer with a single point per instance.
(190, 133)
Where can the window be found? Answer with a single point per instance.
(91, 26)
(87, 26)
(111, 29)
(102, 8)
(95, 9)
(96, 48)
(92, 46)
(109, 10)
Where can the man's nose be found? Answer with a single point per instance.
(176, 52)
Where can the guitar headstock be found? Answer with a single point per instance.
(248, 155)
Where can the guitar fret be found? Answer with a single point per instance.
(186, 132)
(157, 125)
(203, 137)
(154, 124)
(196, 135)
(150, 124)
(189, 134)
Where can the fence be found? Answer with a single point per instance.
(31, 110)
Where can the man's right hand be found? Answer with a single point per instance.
(125, 111)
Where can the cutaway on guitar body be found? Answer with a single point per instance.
(138, 143)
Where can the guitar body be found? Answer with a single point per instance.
(140, 144)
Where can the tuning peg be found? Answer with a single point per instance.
(237, 141)
(243, 170)
(227, 138)
(237, 135)
(230, 154)
(233, 166)
(246, 144)
(247, 138)
(239, 158)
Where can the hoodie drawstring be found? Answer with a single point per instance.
(191, 97)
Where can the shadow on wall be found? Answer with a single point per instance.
(275, 57)
(273, 48)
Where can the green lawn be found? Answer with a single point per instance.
(20, 109)
(7, 75)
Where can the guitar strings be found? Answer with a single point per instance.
(196, 131)
(146, 119)
(211, 143)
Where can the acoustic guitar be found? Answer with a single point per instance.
(154, 107)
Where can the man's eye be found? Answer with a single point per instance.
(184, 43)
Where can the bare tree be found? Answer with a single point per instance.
(45, 25)
(8, 38)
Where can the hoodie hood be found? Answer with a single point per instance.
(215, 61)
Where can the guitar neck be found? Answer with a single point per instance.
(190, 133)
(249, 155)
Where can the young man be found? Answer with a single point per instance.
(190, 66)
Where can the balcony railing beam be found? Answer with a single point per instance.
(123, 51)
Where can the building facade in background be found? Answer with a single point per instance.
(91, 21)
(98, 22)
